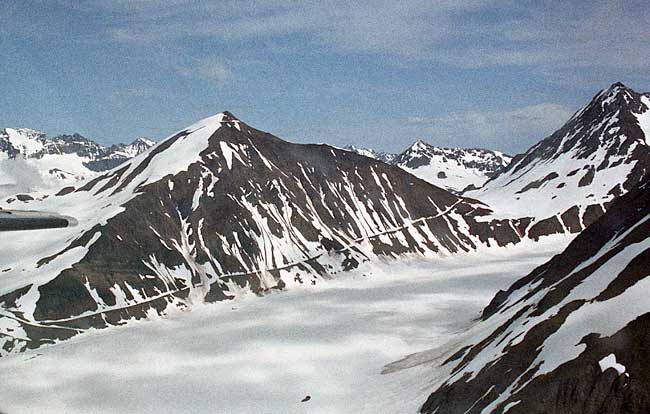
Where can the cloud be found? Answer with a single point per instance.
(512, 131)
(216, 71)
(212, 70)
(515, 129)
(18, 177)
(465, 33)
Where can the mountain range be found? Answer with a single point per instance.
(220, 209)
(566, 181)
(216, 209)
(561, 184)
(454, 169)
(58, 160)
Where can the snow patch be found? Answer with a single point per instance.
(644, 119)
(610, 362)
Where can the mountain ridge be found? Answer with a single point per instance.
(567, 180)
(216, 210)
(454, 169)
(63, 159)
(571, 336)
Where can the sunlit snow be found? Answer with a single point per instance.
(610, 362)
(265, 355)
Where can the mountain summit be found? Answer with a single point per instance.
(564, 182)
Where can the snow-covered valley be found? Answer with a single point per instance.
(266, 354)
(228, 270)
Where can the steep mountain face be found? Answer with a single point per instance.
(567, 180)
(571, 337)
(452, 168)
(62, 159)
(217, 209)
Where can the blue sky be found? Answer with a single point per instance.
(461, 73)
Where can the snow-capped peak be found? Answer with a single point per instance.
(143, 141)
(21, 141)
(617, 97)
(615, 91)
(371, 153)
(419, 145)
(59, 160)
(225, 209)
(451, 168)
(570, 178)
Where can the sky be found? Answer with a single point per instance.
(380, 74)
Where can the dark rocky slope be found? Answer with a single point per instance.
(571, 337)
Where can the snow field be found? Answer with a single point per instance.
(264, 355)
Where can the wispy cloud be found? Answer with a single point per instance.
(211, 70)
(518, 128)
(216, 71)
(465, 33)
(511, 131)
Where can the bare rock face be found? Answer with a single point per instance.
(570, 178)
(217, 209)
(571, 337)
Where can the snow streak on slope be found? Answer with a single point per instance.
(544, 343)
(567, 180)
(252, 355)
(215, 210)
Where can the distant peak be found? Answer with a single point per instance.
(617, 85)
(23, 131)
(229, 116)
(419, 144)
(143, 140)
(617, 89)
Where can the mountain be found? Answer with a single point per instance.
(454, 169)
(119, 153)
(566, 181)
(572, 336)
(369, 152)
(216, 210)
(62, 159)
